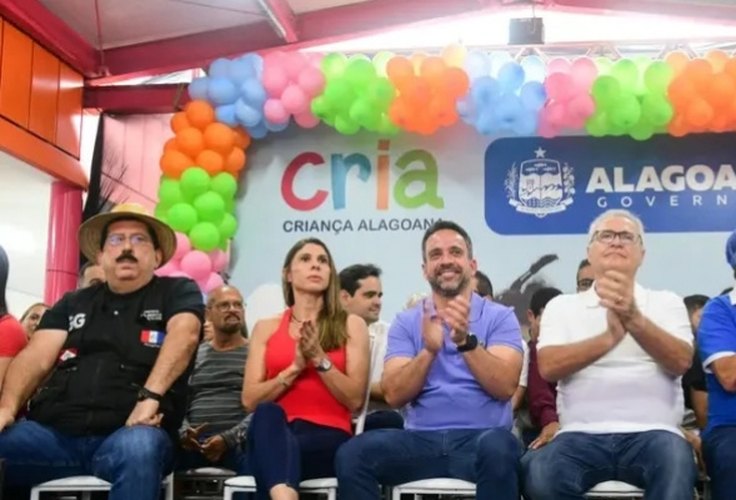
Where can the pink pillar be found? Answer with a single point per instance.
(62, 254)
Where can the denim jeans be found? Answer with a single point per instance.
(383, 419)
(234, 460)
(287, 453)
(134, 459)
(487, 457)
(719, 452)
(660, 462)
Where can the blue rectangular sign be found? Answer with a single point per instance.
(558, 186)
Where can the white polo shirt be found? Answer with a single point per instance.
(625, 390)
(378, 332)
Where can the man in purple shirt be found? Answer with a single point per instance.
(454, 362)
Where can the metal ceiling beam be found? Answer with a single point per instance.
(137, 99)
(724, 14)
(34, 19)
(282, 17)
(314, 28)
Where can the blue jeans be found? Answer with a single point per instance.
(719, 452)
(287, 453)
(134, 459)
(383, 419)
(660, 462)
(234, 460)
(487, 457)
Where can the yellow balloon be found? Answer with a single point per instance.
(454, 55)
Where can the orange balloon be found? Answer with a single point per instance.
(454, 55)
(456, 82)
(219, 137)
(721, 122)
(681, 91)
(170, 145)
(699, 72)
(200, 113)
(433, 69)
(173, 163)
(721, 90)
(699, 113)
(399, 69)
(677, 61)
(211, 161)
(416, 60)
(179, 121)
(242, 139)
(678, 127)
(730, 68)
(190, 141)
(717, 59)
(235, 161)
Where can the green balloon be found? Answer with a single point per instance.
(642, 130)
(380, 62)
(225, 185)
(657, 76)
(320, 106)
(362, 112)
(204, 236)
(597, 124)
(346, 126)
(657, 110)
(210, 207)
(169, 192)
(386, 126)
(606, 89)
(626, 112)
(161, 212)
(604, 65)
(383, 92)
(333, 65)
(194, 182)
(627, 74)
(360, 72)
(338, 94)
(182, 217)
(229, 206)
(228, 226)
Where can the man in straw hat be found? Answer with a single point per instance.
(717, 348)
(119, 355)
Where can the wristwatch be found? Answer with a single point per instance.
(144, 394)
(324, 365)
(471, 342)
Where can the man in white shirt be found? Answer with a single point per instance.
(617, 352)
(361, 293)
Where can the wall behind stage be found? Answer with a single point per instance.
(520, 199)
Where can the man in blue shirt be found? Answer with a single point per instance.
(717, 346)
(453, 361)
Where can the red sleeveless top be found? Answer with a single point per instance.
(308, 398)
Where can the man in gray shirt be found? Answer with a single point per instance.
(213, 431)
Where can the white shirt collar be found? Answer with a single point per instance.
(733, 296)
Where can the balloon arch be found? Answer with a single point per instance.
(251, 96)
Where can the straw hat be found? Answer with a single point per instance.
(90, 233)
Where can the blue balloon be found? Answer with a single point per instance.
(477, 65)
(259, 131)
(511, 76)
(497, 60)
(198, 88)
(277, 127)
(486, 123)
(534, 68)
(241, 71)
(247, 115)
(226, 114)
(222, 91)
(526, 124)
(252, 92)
(508, 110)
(255, 61)
(219, 68)
(533, 96)
(466, 109)
(485, 91)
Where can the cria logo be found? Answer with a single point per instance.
(416, 185)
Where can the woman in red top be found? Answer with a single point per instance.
(12, 336)
(307, 371)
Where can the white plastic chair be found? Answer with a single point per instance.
(614, 489)
(320, 486)
(202, 481)
(434, 486)
(87, 484)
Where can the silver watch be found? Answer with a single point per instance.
(324, 365)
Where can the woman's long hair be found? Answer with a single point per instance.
(4, 270)
(332, 318)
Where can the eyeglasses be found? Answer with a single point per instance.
(136, 240)
(226, 306)
(607, 237)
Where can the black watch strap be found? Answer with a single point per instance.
(144, 394)
(471, 342)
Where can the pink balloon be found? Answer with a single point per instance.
(197, 264)
(579, 109)
(294, 63)
(555, 114)
(559, 86)
(179, 274)
(306, 120)
(547, 130)
(275, 80)
(294, 100)
(275, 112)
(312, 81)
(167, 269)
(583, 72)
(219, 259)
(558, 65)
(183, 246)
(274, 58)
(213, 281)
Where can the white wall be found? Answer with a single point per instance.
(24, 217)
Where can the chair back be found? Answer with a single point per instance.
(360, 421)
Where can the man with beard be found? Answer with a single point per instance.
(112, 361)
(454, 361)
(213, 431)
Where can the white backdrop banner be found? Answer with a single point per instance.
(526, 203)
